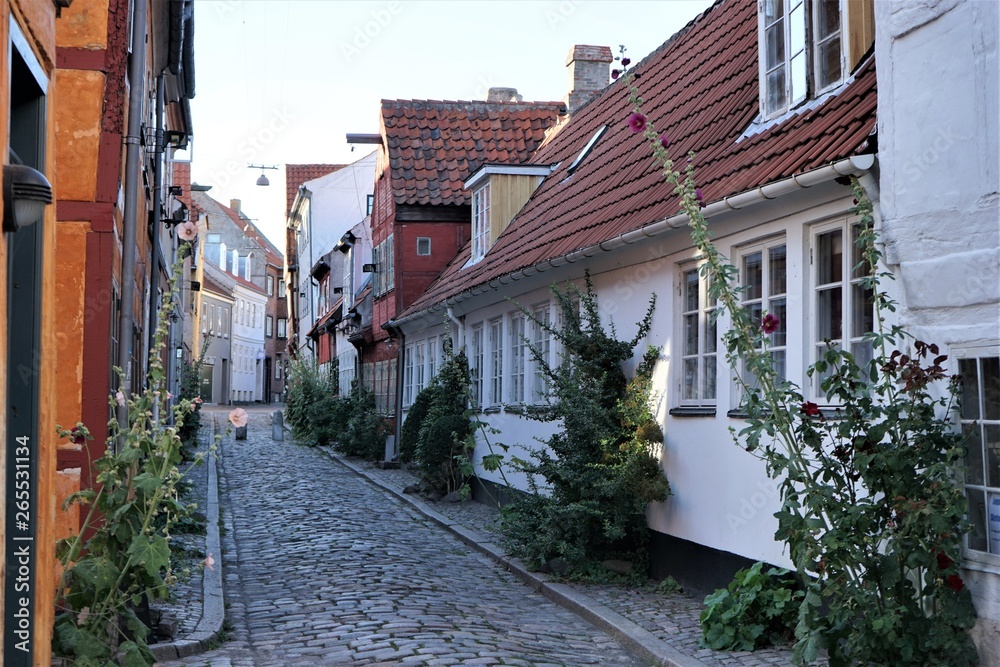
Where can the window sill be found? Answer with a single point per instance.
(492, 410)
(693, 411)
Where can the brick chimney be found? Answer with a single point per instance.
(235, 205)
(588, 73)
(503, 95)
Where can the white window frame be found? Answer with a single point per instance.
(281, 288)
(481, 222)
(270, 285)
(269, 326)
(767, 300)
(706, 351)
(496, 339)
(984, 425)
(518, 350)
(541, 340)
(849, 283)
(476, 364)
(282, 327)
(408, 395)
(432, 358)
(419, 367)
(424, 244)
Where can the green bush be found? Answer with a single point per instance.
(409, 434)
(313, 408)
(759, 608)
(362, 432)
(445, 437)
(599, 470)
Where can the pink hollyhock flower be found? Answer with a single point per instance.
(770, 323)
(615, 74)
(187, 231)
(120, 397)
(169, 395)
(196, 399)
(664, 141)
(637, 122)
(238, 417)
(209, 561)
(699, 197)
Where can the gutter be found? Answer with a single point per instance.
(858, 165)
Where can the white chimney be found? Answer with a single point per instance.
(588, 73)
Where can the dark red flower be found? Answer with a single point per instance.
(77, 436)
(664, 141)
(615, 74)
(954, 582)
(770, 323)
(699, 197)
(943, 561)
(637, 122)
(810, 409)
(626, 62)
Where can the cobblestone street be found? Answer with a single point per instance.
(323, 568)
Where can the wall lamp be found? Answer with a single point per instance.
(26, 192)
(175, 139)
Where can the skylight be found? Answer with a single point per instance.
(586, 149)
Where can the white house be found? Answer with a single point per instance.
(247, 384)
(775, 133)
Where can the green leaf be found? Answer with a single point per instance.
(151, 552)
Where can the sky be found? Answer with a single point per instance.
(283, 81)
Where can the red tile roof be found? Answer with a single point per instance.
(701, 90)
(297, 174)
(435, 145)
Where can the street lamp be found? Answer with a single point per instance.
(262, 181)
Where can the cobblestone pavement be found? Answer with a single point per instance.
(323, 568)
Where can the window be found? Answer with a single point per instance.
(383, 258)
(269, 326)
(432, 358)
(218, 320)
(800, 48)
(516, 334)
(206, 318)
(369, 204)
(408, 376)
(698, 341)
(843, 309)
(418, 367)
(496, 362)
(225, 322)
(282, 327)
(253, 314)
(980, 417)
(476, 365)
(281, 288)
(213, 239)
(423, 245)
(480, 222)
(541, 340)
(278, 364)
(763, 272)
(270, 285)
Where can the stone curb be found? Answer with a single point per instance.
(640, 642)
(213, 614)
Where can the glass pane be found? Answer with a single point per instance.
(691, 290)
(778, 357)
(710, 371)
(776, 99)
(863, 352)
(828, 62)
(829, 314)
(991, 433)
(796, 31)
(991, 387)
(775, 38)
(773, 9)
(691, 334)
(798, 67)
(977, 517)
(828, 21)
(777, 308)
(753, 276)
(755, 311)
(859, 266)
(690, 389)
(970, 388)
(776, 271)
(973, 455)
(711, 332)
(830, 251)
(862, 310)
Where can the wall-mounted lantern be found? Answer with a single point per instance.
(26, 193)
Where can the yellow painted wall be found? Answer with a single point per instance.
(84, 25)
(78, 122)
(508, 193)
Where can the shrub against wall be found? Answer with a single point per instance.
(313, 408)
(591, 484)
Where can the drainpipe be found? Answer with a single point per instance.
(459, 338)
(154, 241)
(137, 73)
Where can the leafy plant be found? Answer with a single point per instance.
(190, 389)
(599, 471)
(121, 558)
(313, 409)
(362, 431)
(872, 509)
(759, 608)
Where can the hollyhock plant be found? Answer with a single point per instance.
(637, 123)
(187, 231)
(870, 502)
(238, 417)
(615, 73)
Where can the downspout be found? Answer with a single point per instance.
(459, 338)
(137, 74)
(397, 333)
(155, 262)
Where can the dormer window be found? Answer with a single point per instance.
(803, 49)
(480, 222)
